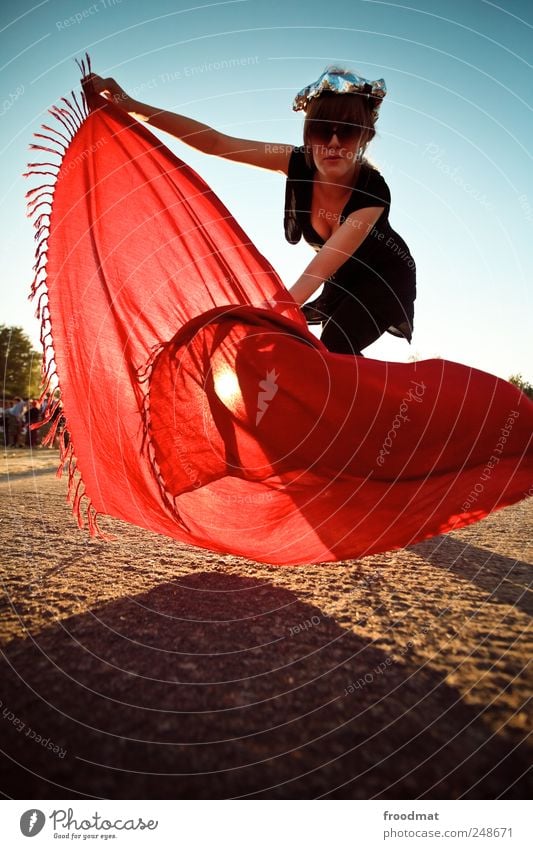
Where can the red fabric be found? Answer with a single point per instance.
(229, 426)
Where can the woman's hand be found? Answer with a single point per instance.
(110, 89)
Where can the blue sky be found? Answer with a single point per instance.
(453, 142)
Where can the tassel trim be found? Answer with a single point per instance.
(144, 375)
(71, 117)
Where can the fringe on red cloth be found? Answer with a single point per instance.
(195, 411)
(71, 118)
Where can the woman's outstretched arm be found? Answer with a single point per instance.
(274, 157)
(334, 253)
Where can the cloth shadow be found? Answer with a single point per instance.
(507, 580)
(221, 686)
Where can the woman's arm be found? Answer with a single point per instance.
(334, 253)
(274, 157)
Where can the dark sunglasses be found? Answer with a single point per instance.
(322, 131)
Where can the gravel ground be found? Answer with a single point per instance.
(144, 668)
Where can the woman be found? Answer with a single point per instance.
(334, 197)
(32, 417)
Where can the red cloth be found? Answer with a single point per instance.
(229, 426)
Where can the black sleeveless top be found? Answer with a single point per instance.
(381, 272)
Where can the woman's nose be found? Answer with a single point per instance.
(334, 137)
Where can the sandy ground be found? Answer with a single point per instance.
(143, 668)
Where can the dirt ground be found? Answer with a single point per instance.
(144, 668)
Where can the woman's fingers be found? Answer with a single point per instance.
(106, 86)
(94, 78)
(98, 84)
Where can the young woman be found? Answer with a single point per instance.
(334, 197)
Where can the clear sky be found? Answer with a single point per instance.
(454, 136)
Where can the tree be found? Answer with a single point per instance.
(20, 365)
(518, 380)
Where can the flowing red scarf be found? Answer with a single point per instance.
(195, 414)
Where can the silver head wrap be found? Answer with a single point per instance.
(340, 82)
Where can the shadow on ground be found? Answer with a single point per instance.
(220, 686)
(506, 580)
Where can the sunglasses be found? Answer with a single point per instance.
(322, 131)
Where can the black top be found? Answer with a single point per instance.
(381, 272)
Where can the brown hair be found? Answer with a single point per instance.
(357, 110)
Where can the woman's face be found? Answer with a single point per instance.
(335, 148)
